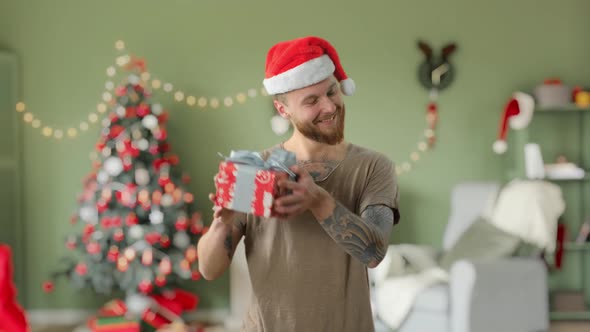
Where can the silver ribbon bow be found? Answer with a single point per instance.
(279, 159)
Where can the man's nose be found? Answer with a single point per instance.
(328, 104)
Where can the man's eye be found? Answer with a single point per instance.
(331, 93)
(312, 101)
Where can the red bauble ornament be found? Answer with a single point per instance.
(113, 254)
(152, 238)
(162, 118)
(130, 112)
(165, 241)
(116, 130)
(145, 286)
(161, 281)
(181, 224)
(195, 275)
(121, 91)
(93, 248)
(48, 286)
(81, 269)
(143, 110)
(118, 235)
(131, 219)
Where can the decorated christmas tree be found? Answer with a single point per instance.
(136, 226)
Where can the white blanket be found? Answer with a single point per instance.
(414, 269)
(530, 210)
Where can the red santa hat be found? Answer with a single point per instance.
(518, 113)
(301, 62)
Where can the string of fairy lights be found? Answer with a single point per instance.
(194, 101)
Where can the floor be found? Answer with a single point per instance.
(555, 327)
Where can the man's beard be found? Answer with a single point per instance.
(313, 132)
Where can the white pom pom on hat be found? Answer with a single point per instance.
(301, 62)
(517, 114)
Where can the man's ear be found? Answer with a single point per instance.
(280, 107)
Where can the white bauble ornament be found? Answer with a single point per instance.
(143, 144)
(102, 177)
(113, 166)
(149, 121)
(156, 217)
(137, 303)
(181, 240)
(121, 111)
(89, 214)
(157, 109)
(133, 79)
(136, 232)
(166, 200)
(279, 125)
(142, 176)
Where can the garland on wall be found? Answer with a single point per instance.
(125, 61)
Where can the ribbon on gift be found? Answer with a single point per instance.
(279, 160)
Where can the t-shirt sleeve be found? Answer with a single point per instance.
(382, 187)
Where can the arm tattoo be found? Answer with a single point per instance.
(228, 244)
(365, 238)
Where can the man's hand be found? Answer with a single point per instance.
(301, 196)
(222, 214)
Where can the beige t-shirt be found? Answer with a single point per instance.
(302, 279)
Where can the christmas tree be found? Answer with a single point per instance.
(137, 223)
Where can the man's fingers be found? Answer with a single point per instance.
(288, 200)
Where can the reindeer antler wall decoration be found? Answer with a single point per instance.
(435, 73)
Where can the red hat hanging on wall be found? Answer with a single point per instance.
(517, 114)
(435, 73)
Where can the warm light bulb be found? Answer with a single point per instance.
(202, 102)
(422, 146)
(156, 84)
(214, 103)
(168, 87)
(119, 44)
(72, 132)
(145, 76)
(228, 101)
(36, 123)
(415, 156)
(179, 96)
(111, 71)
(252, 93)
(92, 117)
(191, 100)
(241, 98)
(28, 117)
(101, 108)
(59, 134)
(20, 107)
(83, 126)
(47, 131)
(107, 96)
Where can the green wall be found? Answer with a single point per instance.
(217, 48)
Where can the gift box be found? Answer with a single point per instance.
(162, 310)
(247, 183)
(114, 324)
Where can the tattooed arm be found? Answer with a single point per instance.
(364, 237)
(216, 247)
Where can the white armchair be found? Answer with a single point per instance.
(506, 294)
